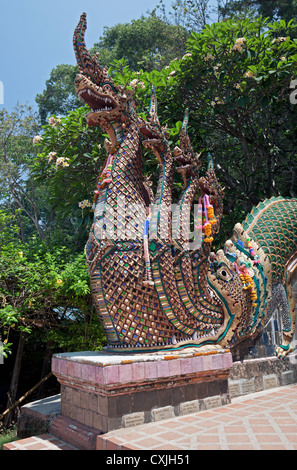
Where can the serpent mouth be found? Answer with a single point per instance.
(185, 164)
(206, 187)
(153, 139)
(99, 103)
(149, 132)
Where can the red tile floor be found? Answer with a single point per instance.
(42, 442)
(262, 421)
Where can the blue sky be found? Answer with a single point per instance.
(36, 36)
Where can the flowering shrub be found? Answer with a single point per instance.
(43, 285)
(37, 139)
(84, 204)
(54, 121)
(137, 83)
(69, 159)
(62, 161)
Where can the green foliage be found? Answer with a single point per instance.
(274, 10)
(69, 159)
(157, 43)
(43, 286)
(59, 95)
(8, 436)
(18, 191)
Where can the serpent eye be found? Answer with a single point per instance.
(107, 88)
(224, 274)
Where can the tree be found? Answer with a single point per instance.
(192, 15)
(46, 289)
(274, 10)
(68, 163)
(44, 284)
(17, 130)
(157, 43)
(238, 82)
(59, 95)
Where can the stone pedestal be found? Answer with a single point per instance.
(104, 391)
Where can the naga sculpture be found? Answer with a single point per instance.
(153, 287)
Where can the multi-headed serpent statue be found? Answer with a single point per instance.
(152, 287)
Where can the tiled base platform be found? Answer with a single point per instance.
(265, 420)
(106, 391)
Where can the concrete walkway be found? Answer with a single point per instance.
(260, 421)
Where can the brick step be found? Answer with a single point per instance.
(42, 442)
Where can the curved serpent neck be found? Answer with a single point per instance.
(210, 316)
(161, 216)
(120, 208)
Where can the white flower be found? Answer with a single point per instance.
(283, 58)
(217, 101)
(249, 74)
(240, 41)
(238, 44)
(135, 83)
(37, 139)
(237, 47)
(279, 40)
(237, 85)
(85, 203)
(51, 156)
(61, 161)
(187, 55)
(172, 73)
(54, 121)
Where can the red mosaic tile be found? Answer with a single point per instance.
(168, 447)
(208, 447)
(238, 438)
(267, 438)
(234, 429)
(36, 446)
(240, 447)
(203, 439)
(289, 429)
(262, 429)
(170, 436)
(148, 442)
(273, 447)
